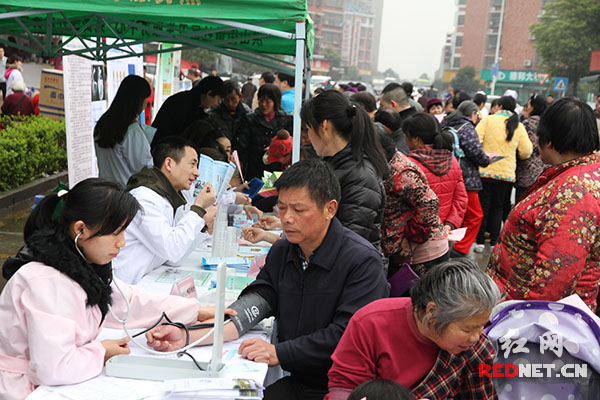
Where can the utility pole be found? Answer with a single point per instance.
(498, 40)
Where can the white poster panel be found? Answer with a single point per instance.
(118, 69)
(99, 92)
(164, 77)
(78, 115)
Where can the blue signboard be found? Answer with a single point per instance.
(560, 84)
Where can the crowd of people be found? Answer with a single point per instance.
(380, 186)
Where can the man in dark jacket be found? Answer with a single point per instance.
(183, 108)
(231, 114)
(394, 97)
(313, 281)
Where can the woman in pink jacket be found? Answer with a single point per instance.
(60, 286)
(431, 150)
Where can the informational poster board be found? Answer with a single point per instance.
(78, 115)
(164, 76)
(99, 92)
(118, 69)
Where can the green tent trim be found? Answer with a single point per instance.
(252, 30)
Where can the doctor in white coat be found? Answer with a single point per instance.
(168, 228)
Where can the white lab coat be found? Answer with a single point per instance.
(157, 236)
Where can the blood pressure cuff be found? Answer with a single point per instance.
(251, 308)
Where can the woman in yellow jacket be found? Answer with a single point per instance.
(504, 134)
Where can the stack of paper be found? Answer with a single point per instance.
(214, 388)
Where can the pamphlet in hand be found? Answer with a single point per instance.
(217, 173)
(495, 157)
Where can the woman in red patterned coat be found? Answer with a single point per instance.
(431, 150)
(411, 231)
(550, 245)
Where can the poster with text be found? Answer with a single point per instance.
(118, 69)
(78, 115)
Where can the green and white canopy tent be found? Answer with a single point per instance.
(250, 30)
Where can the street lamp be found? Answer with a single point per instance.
(496, 66)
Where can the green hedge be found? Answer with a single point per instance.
(30, 148)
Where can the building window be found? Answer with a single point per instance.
(488, 61)
(492, 41)
(458, 42)
(494, 20)
(497, 3)
(461, 20)
(462, 2)
(456, 62)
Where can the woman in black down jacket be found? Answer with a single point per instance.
(263, 124)
(343, 134)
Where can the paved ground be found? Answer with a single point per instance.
(12, 221)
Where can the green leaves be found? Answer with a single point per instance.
(29, 148)
(567, 33)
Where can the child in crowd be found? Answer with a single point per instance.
(60, 290)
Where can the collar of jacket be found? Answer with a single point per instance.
(340, 157)
(553, 172)
(438, 161)
(326, 253)
(52, 247)
(155, 180)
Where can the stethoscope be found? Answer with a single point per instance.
(123, 321)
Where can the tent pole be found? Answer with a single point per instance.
(300, 53)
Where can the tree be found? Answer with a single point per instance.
(206, 59)
(352, 73)
(391, 74)
(565, 36)
(465, 80)
(333, 55)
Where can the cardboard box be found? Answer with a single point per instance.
(52, 96)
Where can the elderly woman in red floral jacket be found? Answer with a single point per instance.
(411, 231)
(550, 245)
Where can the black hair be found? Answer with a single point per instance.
(479, 98)
(366, 100)
(509, 103)
(351, 122)
(386, 141)
(360, 87)
(307, 151)
(538, 104)
(213, 153)
(13, 59)
(231, 86)
(408, 88)
(268, 77)
(212, 84)
(172, 147)
(495, 102)
(203, 133)
(458, 98)
(112, 126)
(391, 86)
(272, 92)
(315, 175)
(569, 124)
(427, 128)
(389, 118)
(193, 71)
(380, 389)
(291, 80)
(105, 207)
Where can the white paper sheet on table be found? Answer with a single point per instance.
(110, 388)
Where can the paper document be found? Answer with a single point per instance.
(457, 234)
(217, 173)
